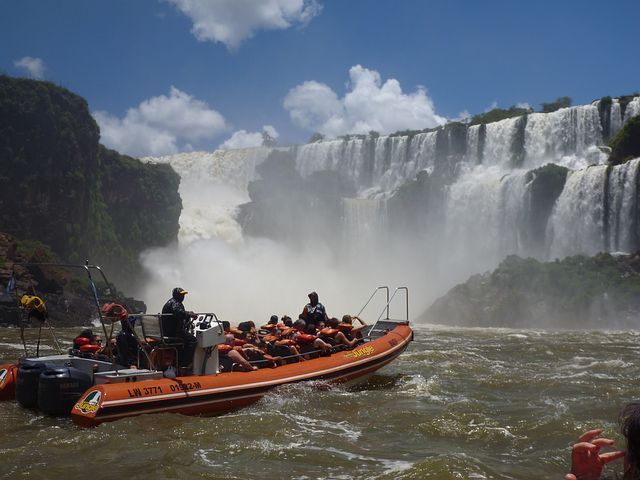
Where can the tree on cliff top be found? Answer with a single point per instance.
(562, 102)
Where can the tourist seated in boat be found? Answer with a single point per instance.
(332, 334)
(126, 343)
(280, 346)
(587, 463)
(313, 311)
(271, 325)
(229, 353)
(89, 345)
(308, 342)
(127, 347)
(347, 327)
(286, 321)
(175, 323)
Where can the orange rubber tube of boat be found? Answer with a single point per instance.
(8, 374)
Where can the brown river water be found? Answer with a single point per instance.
(458, 404)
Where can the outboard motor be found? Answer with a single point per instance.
(60, 388)
(27, 382)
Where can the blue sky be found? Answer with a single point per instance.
(443, 58)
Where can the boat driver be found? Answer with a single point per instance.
(314, 311)
(175, 322)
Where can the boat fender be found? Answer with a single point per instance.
(90, 347)
(305, 338)
(329, 332)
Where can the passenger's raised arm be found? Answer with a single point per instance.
(587, 462)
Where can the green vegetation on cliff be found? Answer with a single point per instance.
(591, 292)
(562, 102)
(625, 145)
(498, 114)
(60, 187)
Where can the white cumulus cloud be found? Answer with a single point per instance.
(369, 104)
(33, 66)
(160, 125)
(232, 21)
(244, 139)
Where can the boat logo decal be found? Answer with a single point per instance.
(90, 403)
(3, 374)
(360, 352)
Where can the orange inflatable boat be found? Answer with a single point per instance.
(217, 393)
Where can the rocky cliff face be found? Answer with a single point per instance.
(66, 291)
(578, 292)
(60, 187)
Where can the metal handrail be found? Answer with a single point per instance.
(386, 307)
(87, 267)
(371, 298)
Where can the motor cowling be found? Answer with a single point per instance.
(60, 388)
(27, 382)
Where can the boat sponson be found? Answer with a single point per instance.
(8, 381)
(216, 394)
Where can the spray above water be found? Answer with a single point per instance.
(481, 195)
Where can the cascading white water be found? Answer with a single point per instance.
(482, 217)
(577, 223)
(632, 110)
(622, 206)
(484, 213)
(615, 117)
(473, 139)
(551, 137)
(365, 226)
(422, 153)
(498, 143)
(212, 185)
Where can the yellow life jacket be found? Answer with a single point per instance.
(31, 302)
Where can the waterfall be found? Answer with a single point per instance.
(565, 132)
(212, 185)
(633, 109)
(577, 222)
(484, 215)
(476, 199)
(365, 224)
(499, 141)
(615, 117)
(422, 153)
(623, 207)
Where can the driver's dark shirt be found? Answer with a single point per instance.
(175, 324)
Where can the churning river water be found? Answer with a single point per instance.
(458, 404)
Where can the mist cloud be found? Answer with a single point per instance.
(233, 21)
(33, 66)
(244, 139)
(368, 105)
(160, 125)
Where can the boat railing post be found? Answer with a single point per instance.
(371, 298)
(386, 307)
(107, 337)
(406, 291)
